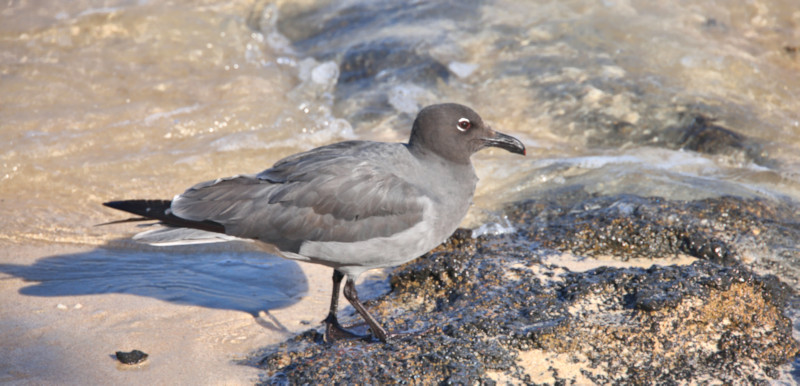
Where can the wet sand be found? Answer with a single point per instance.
(72, 339)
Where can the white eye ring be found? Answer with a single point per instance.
(463, 124)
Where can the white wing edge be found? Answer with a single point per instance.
(164, 237)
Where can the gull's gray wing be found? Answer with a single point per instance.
(334, 193)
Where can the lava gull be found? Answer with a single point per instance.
(352, 206)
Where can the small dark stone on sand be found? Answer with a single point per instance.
(131, 358)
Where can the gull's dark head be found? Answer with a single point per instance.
(455, 132)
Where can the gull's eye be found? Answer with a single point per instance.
(464, 124)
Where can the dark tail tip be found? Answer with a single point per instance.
(155, 209)
(159, 210)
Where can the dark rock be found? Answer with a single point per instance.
(701, 320)
(323, 29)
(626, 226)
(376, 65)
(131, 358)
(702, 134)
(375, 52)
(498, 308)
(388, 58)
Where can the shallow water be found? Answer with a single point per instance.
(106, 100)
(124, 99)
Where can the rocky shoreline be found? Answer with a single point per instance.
(504, 309)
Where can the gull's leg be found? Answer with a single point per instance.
(333, 329)
(352, 296)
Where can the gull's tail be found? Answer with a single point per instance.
(178, 231)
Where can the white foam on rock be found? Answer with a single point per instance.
(461, 69)
(407, 98)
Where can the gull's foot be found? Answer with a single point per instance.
(334, 330)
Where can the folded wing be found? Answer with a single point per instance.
(333, 193)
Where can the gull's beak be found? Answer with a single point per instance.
(504, 141)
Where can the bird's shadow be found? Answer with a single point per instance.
(214, 277)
